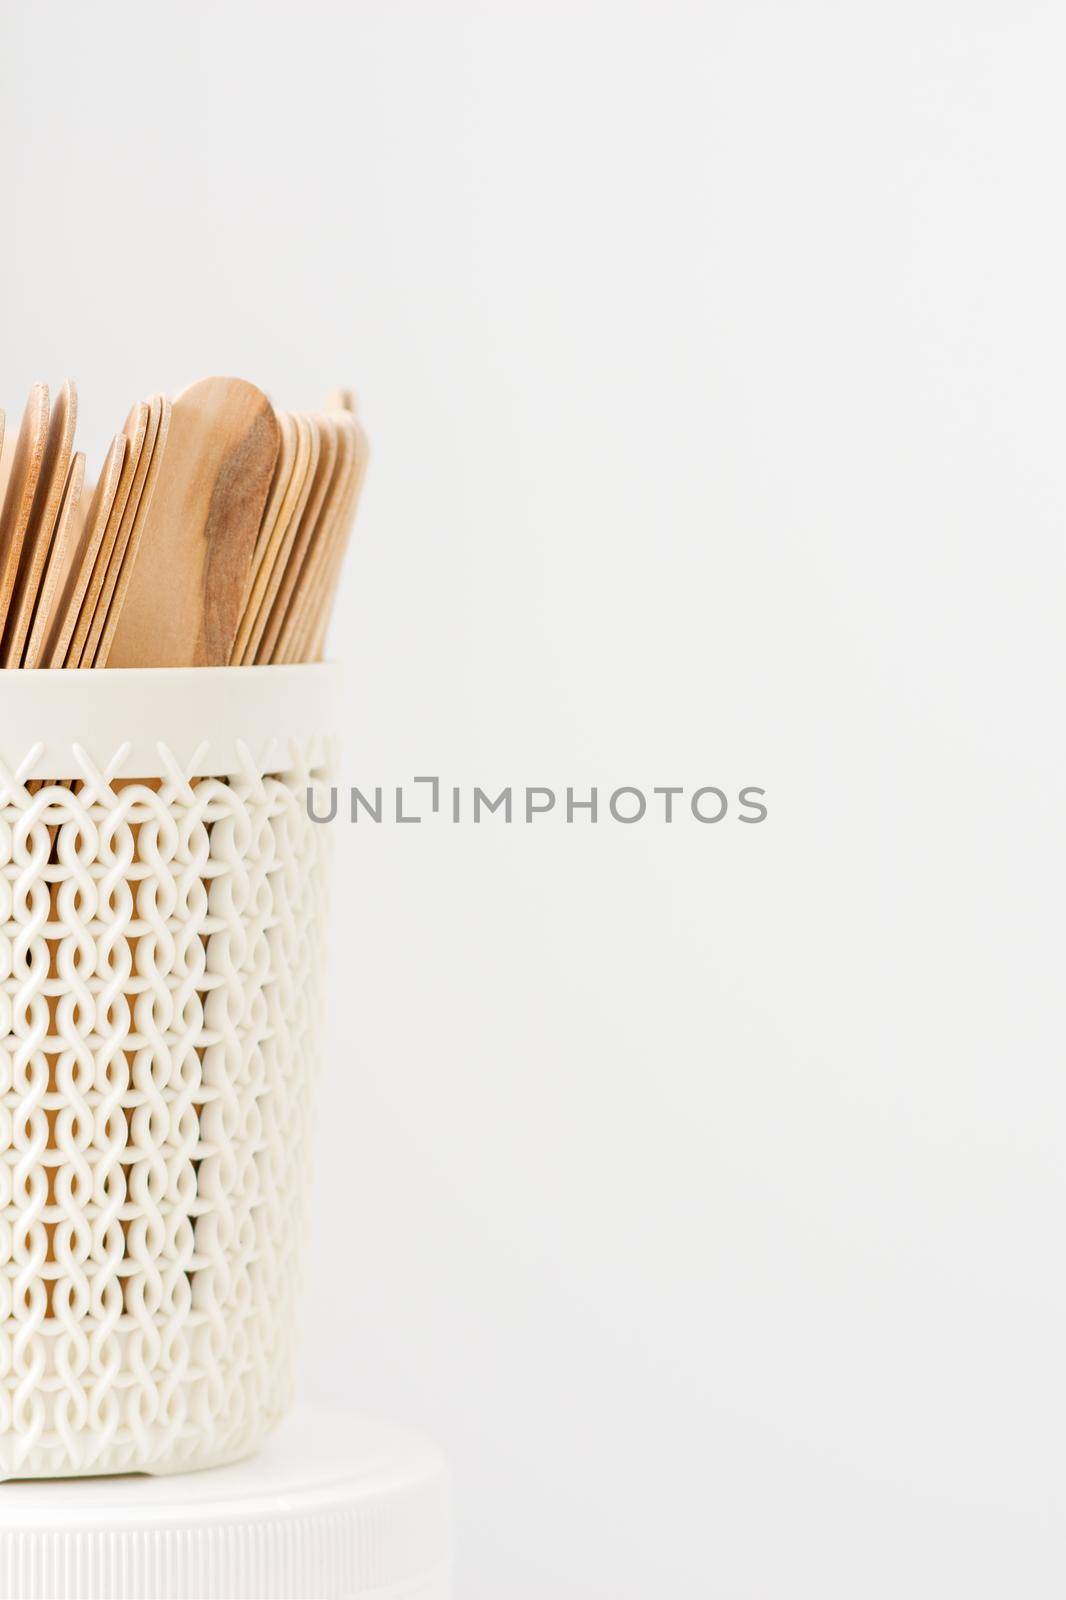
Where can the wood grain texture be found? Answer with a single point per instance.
(135, 430)
(288, 476)
(133, 542)
(316, 555)
(40, 528)
(119, 547)
(271, 567)
(22, 479)
(64, 542)
(283, 469)
(312, 644)
(291, 556)
(184, 602)
(74, 582)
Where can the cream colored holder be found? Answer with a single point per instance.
(162, 923)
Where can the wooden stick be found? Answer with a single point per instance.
(184, 603)
(302, 535)
(313, 645)
(80, 655)
(74, 583)
(144, 506)
(317, 556)
(63, 544)
(21, 488)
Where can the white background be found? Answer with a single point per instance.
(701, 1189)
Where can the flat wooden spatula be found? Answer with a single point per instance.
(183, 606)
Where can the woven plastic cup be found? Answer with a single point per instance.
(163, 899)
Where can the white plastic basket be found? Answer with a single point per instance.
(162, 918)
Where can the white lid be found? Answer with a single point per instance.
(212, 720)
(333, 1506)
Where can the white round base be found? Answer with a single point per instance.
(333, 1507)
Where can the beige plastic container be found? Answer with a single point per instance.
(162, 924)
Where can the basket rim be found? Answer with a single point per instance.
(150, 722)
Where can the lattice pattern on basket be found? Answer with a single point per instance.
(161, 967)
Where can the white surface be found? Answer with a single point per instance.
(700, 1190)
(334, 1506)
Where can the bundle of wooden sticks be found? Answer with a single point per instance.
(214, 535)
